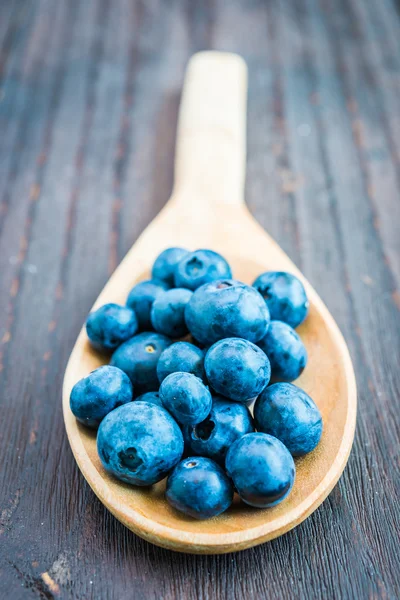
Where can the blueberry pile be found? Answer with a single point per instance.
(190, 351)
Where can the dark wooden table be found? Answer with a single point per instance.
(89, 96)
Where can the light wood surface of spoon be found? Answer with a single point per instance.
(207, 210)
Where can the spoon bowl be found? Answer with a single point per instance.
(207, 210)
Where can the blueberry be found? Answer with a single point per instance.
(181, 356)
(200, 267)
(284, 295)
(198, 487)
(288, 413)
(168, 312)
(227, 422)
(97, 394)
(285, 350)
(237, 369)
(186, 397)
(261, 468)
(141, 298)
(111, 325)
(138, 357)
(151, 397)
(226, 308)
(165, 264)
(139, 443)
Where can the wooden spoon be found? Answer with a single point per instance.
(207, 210)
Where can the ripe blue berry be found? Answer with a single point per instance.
(138, 357)
(97, 394)
(183, 357)
(284, 295)
(139, 443)
(285, 350)
(237, 369)
(288, 413)
(198, 487)
(111, 325)
(200, 267)
(186, 397)
(261, 468)
(165, 264)
(226, 308)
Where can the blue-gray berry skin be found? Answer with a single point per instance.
(139, 357)
(261, 468)
(199, 488)
(111, 325)
(186, 397)
(227, 422)
(285, 350)
(139, 443)
(165, 264)
(284, 295)
(226, 308)
(151, 397)
(200, 267)
(237, 369)
(168, 312)
(141, 298)
(97, 394)
(288, 413)
(181, 356)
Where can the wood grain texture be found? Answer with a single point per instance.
(89, 96)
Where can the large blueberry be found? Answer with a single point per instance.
(198, 487)
(200, 267)
(141, 298)
(226, 308)
(181, 356)
(139, 443)
(111, 325)
(237, 369)
(97, 394)
(138, 357)
(186, 397)
(261, 468)
(152, 397)
(227, 422)
(285, 350)
(165, 264)
(288, 413)
(168, 312)
(284, 295)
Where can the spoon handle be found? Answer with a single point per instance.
(210, 162)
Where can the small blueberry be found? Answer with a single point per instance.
(138, 357)
(226, 308)
(168, 312)
(165, 264)
(151, 397)
(198, 487)
(227, 422)
(237, 369)
(97, 394)
(284, 295)
(200, 267)
(186, 397)
(139, 443)
(111, 325)
(183, 357)
(285, 350)
(141, 298)
(288, 413)
(261, 468)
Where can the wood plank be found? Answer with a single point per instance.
(86, 157)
